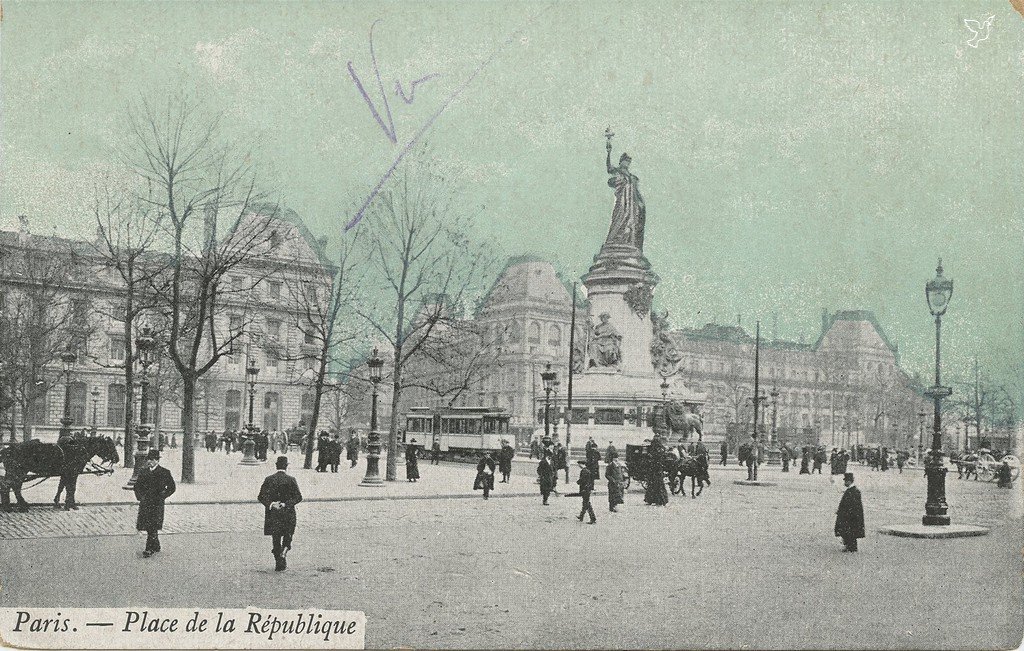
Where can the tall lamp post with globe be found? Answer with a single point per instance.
(938, 291)
(68, 359)
(249, 445)
(549, 377)
(372, 477)
(145, 344)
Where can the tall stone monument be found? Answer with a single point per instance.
(620, 283)
(618, 383)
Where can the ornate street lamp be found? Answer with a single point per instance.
(95, 400)
(554, 389)
(372, 478)
(548, 377)
(68, 359)
(145, 344)
(774, 454)
(938, 291)
(248, 444)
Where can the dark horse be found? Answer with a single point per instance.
(67, 459)
(696, 468)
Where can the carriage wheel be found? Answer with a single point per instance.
(986, 465)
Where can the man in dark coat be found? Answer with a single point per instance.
(352, 449)
(724, 451)
(505, 456)
(153, 486)
(753, 458)
(279, 494)
(335, 459)
(594, 461)
(435, 453)
(562, 460)
(546, 477)
(805, 461)
(412, 464)
(850, 515)
(819, 459)
(586, 483)
(610, 452)
(485, 474)
(616, 483)
(323, 452)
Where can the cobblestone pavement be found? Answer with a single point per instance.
(738, 566)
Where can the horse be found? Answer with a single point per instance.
(696, 468)
(66, 459)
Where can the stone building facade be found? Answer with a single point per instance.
(264, 302)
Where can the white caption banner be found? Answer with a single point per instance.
(181, 628)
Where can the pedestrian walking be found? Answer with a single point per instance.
(323, 452)
(819, 460)
(610, 452)
(594, 461)
(586, 484)
(546, 477)
(785, 459)
(656, 493)
(724, 451)
(279, 494)
(535, 450)
(435, 453)
(352, 449)
(412, 463)
(485, 474)
(562, 460)
(505, 456)
(335, 458)
(753, 458)
(616, 483)
(850, 515)
(153, 486)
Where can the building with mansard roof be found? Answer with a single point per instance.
(263, 299)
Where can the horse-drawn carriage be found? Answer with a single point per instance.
(985, 465)
(67, 459)
(641, 464)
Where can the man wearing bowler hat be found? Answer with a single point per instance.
(850, 515)
(279, 495)
(153, 486)
(586, 483)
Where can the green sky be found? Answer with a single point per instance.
(793, 156)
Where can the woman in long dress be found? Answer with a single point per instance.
(656, 492)
(629, 214)
(412, 464)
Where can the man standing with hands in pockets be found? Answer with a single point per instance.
(279, 495)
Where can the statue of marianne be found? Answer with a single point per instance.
(629, 213)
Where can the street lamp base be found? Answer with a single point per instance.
(936, 520)
(372, 481)
(935, 507)
(249, 453)
(141, 454)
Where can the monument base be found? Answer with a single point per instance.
(940, 531)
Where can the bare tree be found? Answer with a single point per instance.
(41, 316)
(426, 266)
(737, 391)
(195, 184)
(316, 303)
(126, 231)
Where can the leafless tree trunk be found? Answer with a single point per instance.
(426, 265)
(196, 184)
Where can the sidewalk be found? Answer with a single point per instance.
(221, 479)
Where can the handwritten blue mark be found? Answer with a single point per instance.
(388, 126)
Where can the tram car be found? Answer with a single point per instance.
(464, 433)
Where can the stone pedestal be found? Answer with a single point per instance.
(621, 284)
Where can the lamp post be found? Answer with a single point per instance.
(95, 400)
(548, 377)
(938, 291)
(248, 444)
(774, 454)
(664, 405)
(554, 425)
(145, 344)
(372, 477)
(68, 359)
(920, 435)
